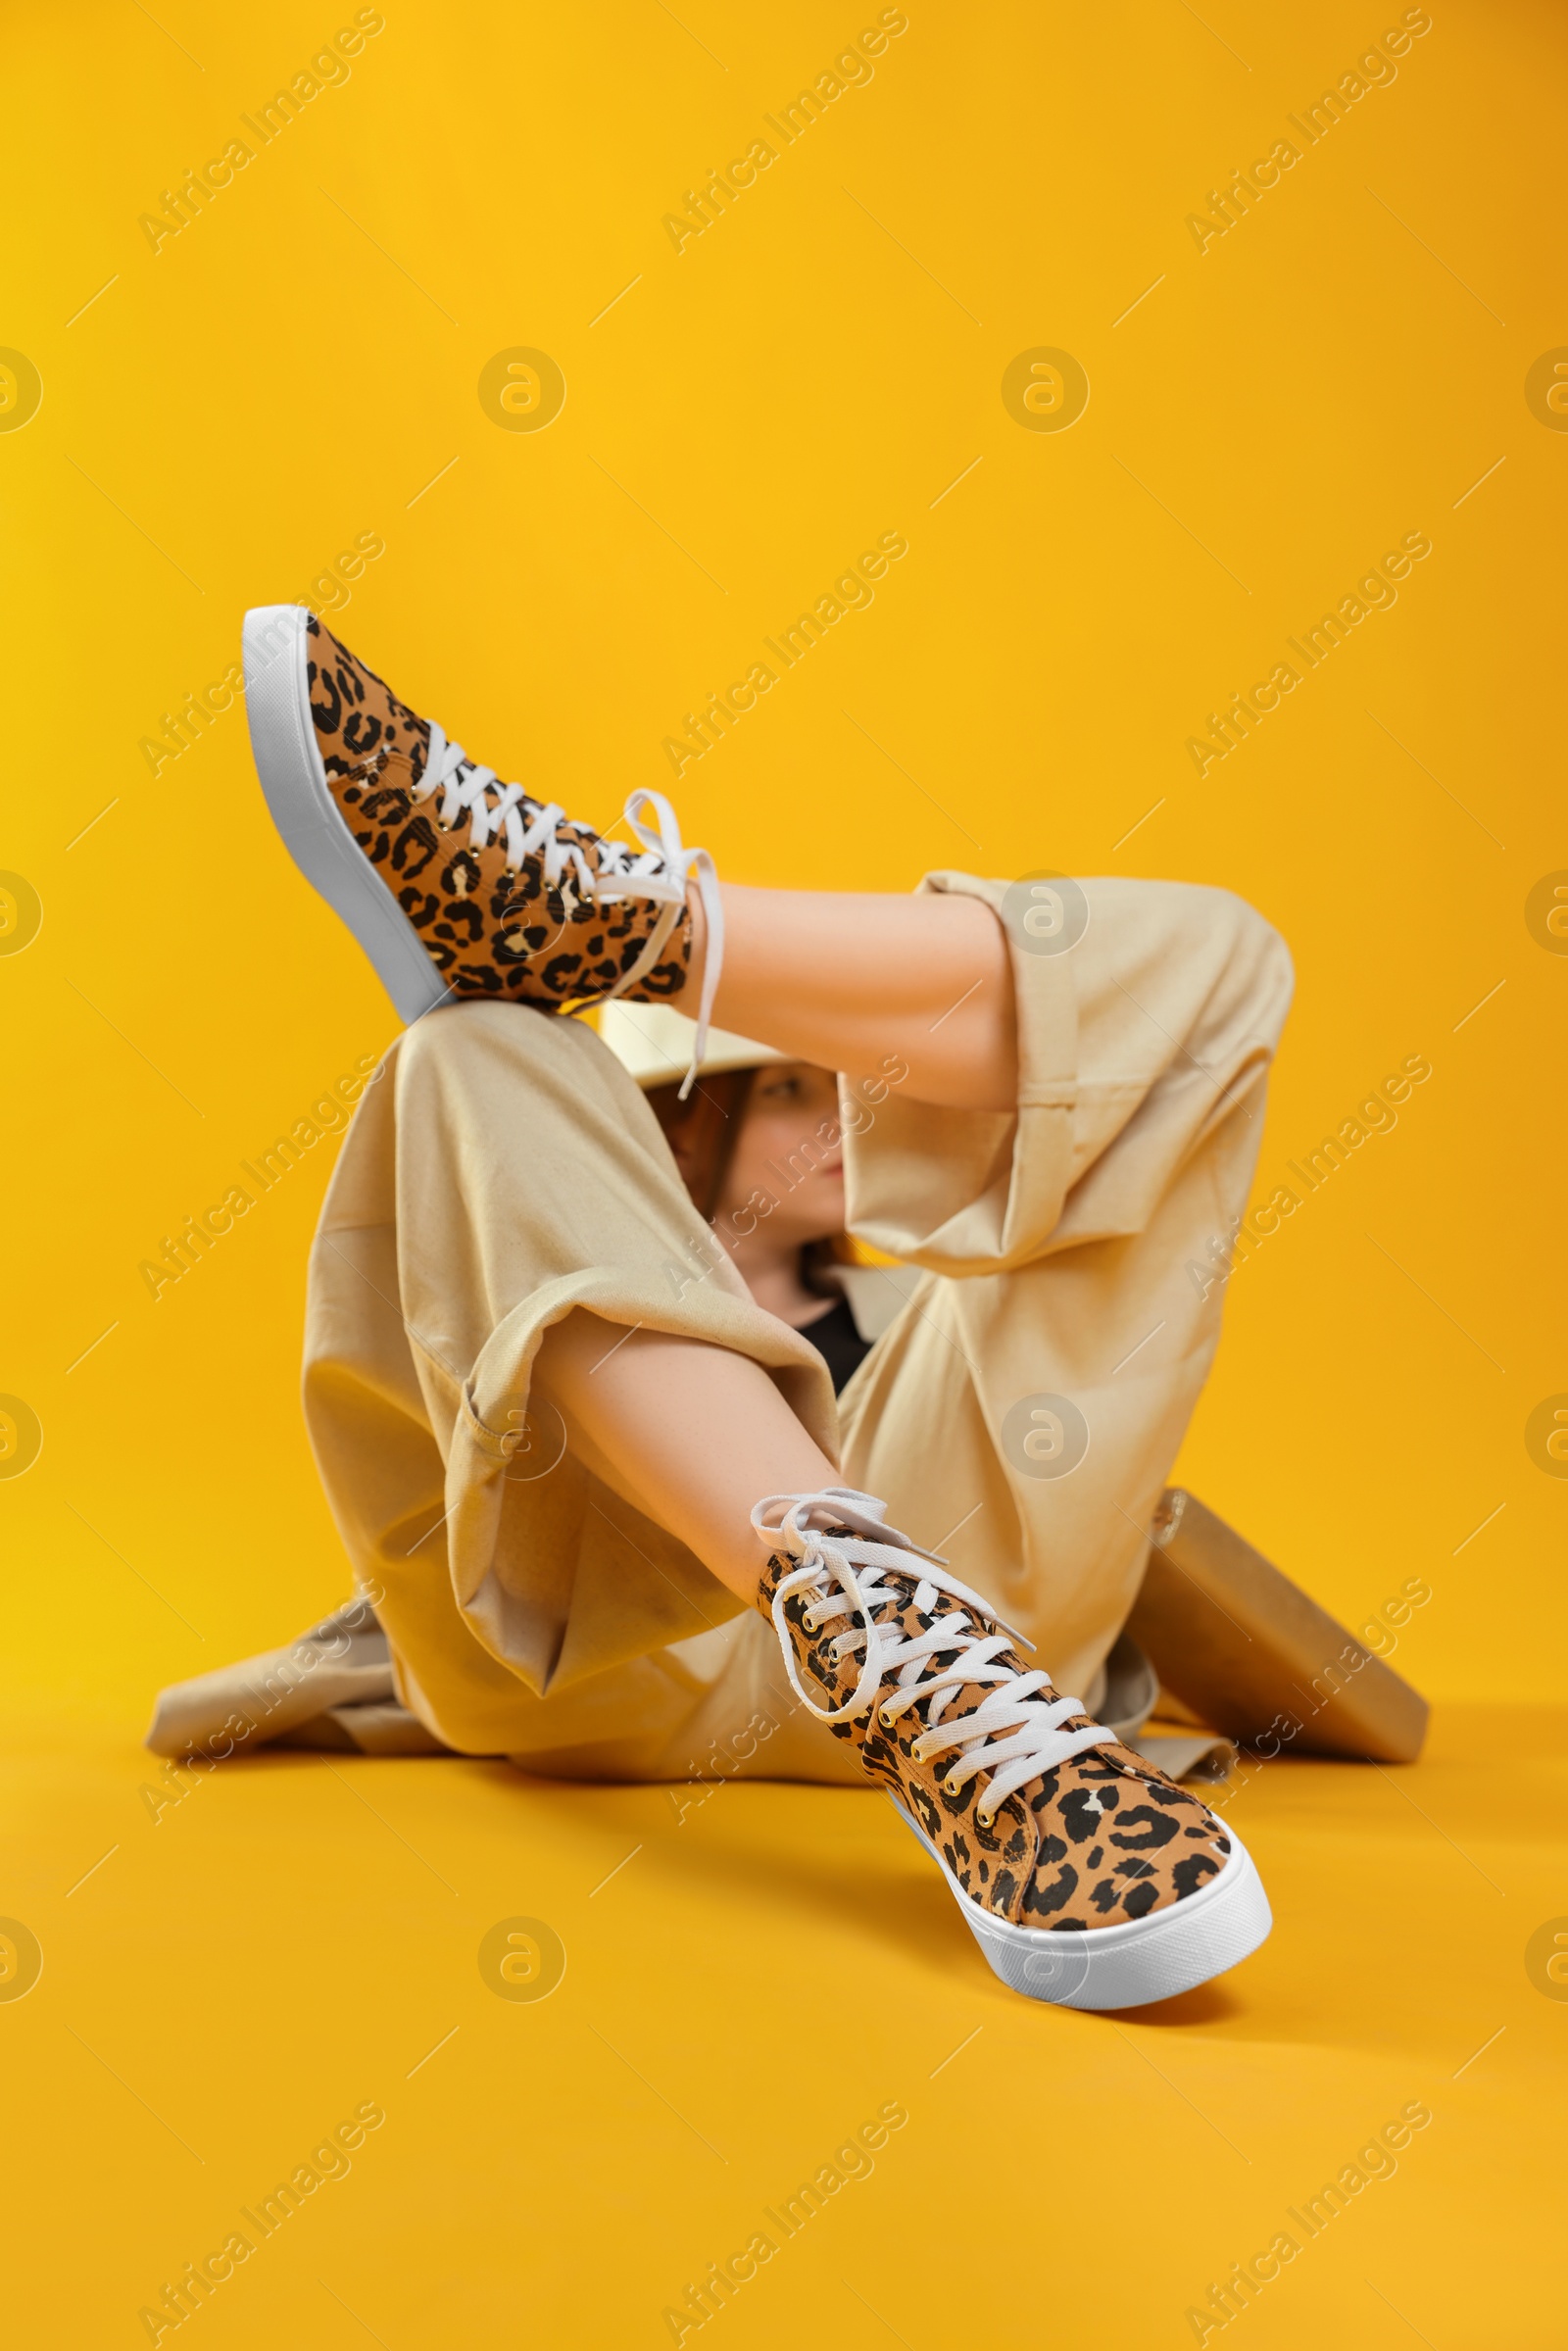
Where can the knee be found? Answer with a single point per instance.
(1260, 964)
(488, 1060)
(1230, 950)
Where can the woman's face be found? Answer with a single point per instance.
(790, 1150)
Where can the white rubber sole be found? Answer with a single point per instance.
(1154, 1958)
(320, 842)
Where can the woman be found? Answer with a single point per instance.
(759, 1147)
(529, 1344)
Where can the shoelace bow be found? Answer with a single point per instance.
(659, 870)
(1013, 1734)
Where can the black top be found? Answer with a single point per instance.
(838, 1343)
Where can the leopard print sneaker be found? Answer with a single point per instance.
(524, 904)
(1087, 1878)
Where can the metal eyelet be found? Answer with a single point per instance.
(950, 1787)
(985, 1819)
(884, 1718)
(810, 1619)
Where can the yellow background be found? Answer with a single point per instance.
(299, 366)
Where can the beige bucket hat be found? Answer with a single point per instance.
(654, 1041)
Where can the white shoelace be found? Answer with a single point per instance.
(660, 871)
(1013, 1734)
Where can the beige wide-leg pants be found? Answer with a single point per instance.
(1020, 1415)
